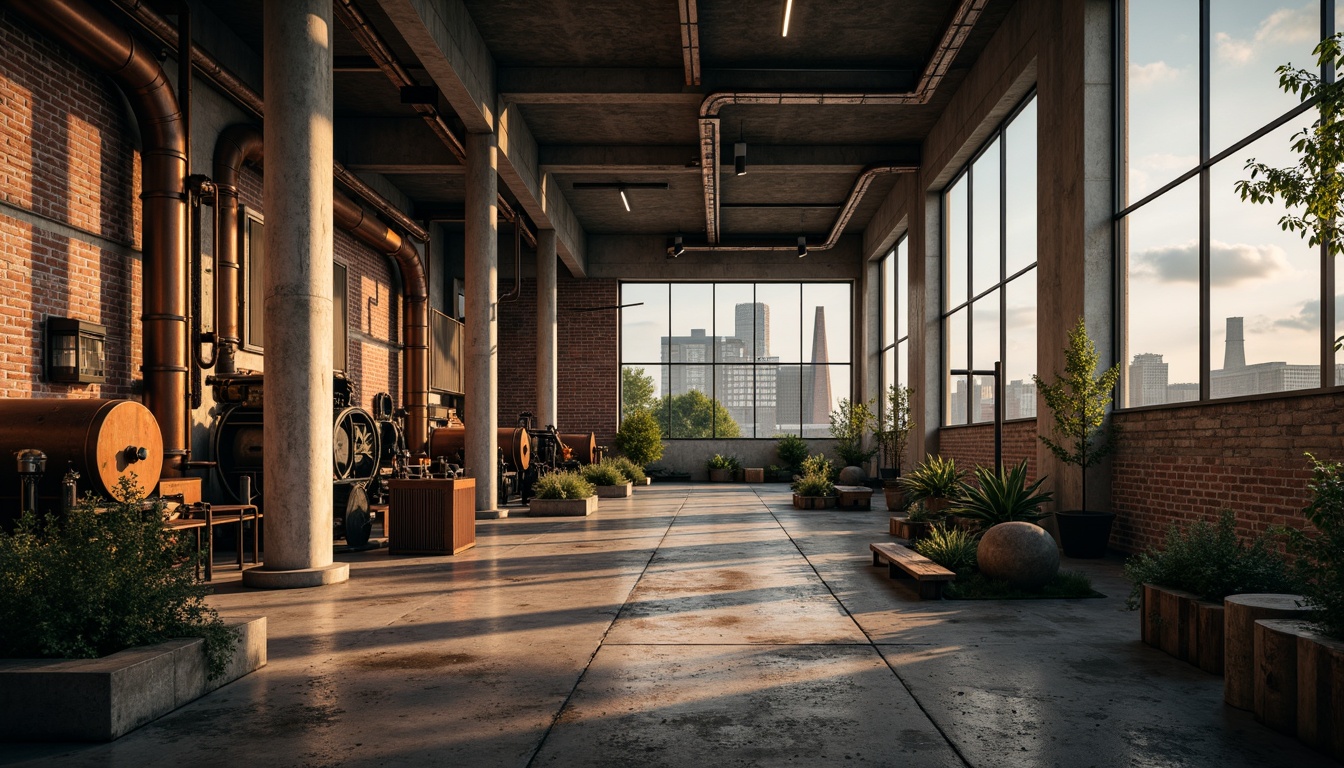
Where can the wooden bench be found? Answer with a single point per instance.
(929, 575)
(854, 497)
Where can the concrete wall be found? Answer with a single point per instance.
(691, 455)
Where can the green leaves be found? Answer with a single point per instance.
(933, 478)
(850, 422)
(894, 425)
(1001, 497)
(1320, 552)
(1078, 400)
(640, 437)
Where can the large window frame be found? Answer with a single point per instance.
(893, 352)
(1200, 174)
(958, 315)
(718, 377)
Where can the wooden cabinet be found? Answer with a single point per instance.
(431, 517)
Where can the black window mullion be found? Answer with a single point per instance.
(1205, 300)
(1328, 318)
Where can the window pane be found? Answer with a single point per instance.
(902, 292)
(1265, 320)
(985, 349)
(888, 299)
(789, 399)
(767, 401)
(826, 323)
(1250, 38)
(783, 334)
(1162, 74)
(956, 256)
(957, 356)
(903, 364)
(1339, 320)
(823, 387)
(340, 324)
(735, 386)
(691, 408)
(256, 283)
(1020, 356)
(986, 176)
(1020, 184)
(1162, 307)
(644, 329)
(888, 371)
(641, 387)
(735, 317)
(692, 313)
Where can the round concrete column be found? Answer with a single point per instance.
(297, 197)
(547, 396)
(482, 381)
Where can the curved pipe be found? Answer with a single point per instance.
(954, 37)
(164, 218)
(237, 144)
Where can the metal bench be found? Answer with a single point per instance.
(904, 562)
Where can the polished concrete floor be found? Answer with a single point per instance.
(693, 625)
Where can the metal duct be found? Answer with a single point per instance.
(954, 37)
(164, 224)
(236, 145)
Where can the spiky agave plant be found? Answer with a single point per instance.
(1001, 497)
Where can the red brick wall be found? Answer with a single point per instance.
(65, 155)
(974, 445)
(1182, 464)
(589, 374)
(373, 312)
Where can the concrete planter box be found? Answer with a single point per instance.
(562, 507)
(813, 502)
(104, 699)
(1180, 624)
(623, 491)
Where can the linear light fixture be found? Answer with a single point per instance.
(622, 188)
(788, 11)
(625, 200)
(740, 158)
(678, 246)
(802, 246)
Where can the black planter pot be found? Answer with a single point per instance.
(1084, 534)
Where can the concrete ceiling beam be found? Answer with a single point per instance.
(392, 145)
(761, 158)
(587, 85)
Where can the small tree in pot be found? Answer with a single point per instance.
(850, 423)
(892, 432)
(1081, 436)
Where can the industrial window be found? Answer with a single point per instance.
(340, 323)
(1216, 300)
(894, 337)
(989, 277)
(733, 360)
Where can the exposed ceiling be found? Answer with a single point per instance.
(602, 87)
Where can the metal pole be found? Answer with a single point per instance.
(997, 373)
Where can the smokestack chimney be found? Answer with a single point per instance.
(1234, 355)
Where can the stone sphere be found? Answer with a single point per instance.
(1021, 554)
(853, 476)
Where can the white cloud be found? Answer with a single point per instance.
(1142, 76)
(1233, 263)
(1308, 317)
(1233, 51)
(1295, 27)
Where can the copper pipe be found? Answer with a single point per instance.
(239, 91)
(164, 229)
(415, 315)
(237, 144)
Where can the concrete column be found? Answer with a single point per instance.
(482, 381)
(297, 197)
(547, 388)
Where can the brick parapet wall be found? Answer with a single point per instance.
(973, 446)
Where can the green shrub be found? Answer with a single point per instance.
(719, 461)
(814, 485)
(90, 583)
(632, 471)
(605, 473)
(1210, 561)
(920, 513)
(933, 478)
(850, 423)
(563, 485)
(1320, 552)
(791, 450)
(640, 437)
(950, 547)
(1001, 497)
(818, 465)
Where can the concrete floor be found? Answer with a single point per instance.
(691, 625)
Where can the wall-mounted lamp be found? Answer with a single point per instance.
(802, 246)
(76, 351)
(678, 246)
(740, 158)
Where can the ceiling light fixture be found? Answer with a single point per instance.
(622, 187)
(740, 158)
(802, 246)
(678, 246)
(625, 199)
(788, 10)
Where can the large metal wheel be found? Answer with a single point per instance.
(358, 520)
(354, 445)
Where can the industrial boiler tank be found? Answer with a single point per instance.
(102, 440)
(583, 445)
(450, 442)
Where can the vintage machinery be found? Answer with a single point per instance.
(365, 447)
(515, 454)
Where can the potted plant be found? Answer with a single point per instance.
(933, 481)
(814, 489)
(1078, 400)
(721, 468)
(562, 494)
(607, 479)
(892, 434)
(850, 423)
(632, 471)
(640, 438)
(1000, 497)
(917, 523)
(791, 450)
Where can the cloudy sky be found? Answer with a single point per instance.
(1269, 277)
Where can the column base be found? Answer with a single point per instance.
(491, 514)
(261, 578)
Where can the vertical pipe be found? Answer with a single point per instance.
(482, 275)
(297, 194)
(236, 144)
(547, 367)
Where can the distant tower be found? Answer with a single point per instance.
(752, 321)
(817, 401)
(1234, 356)
(1147, 380)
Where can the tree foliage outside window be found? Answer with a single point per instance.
(694, 415)
(637, 391)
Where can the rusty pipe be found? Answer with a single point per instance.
(136, 71)
(237, 144)
(414, 317)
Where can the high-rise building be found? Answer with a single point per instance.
(1147, 380)
(752, 324)
(1234, 349)
(817, 380)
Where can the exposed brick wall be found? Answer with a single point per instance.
(589, 374)
(1183, 464)
(974, 445)
(65, 154)
(373, 311)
